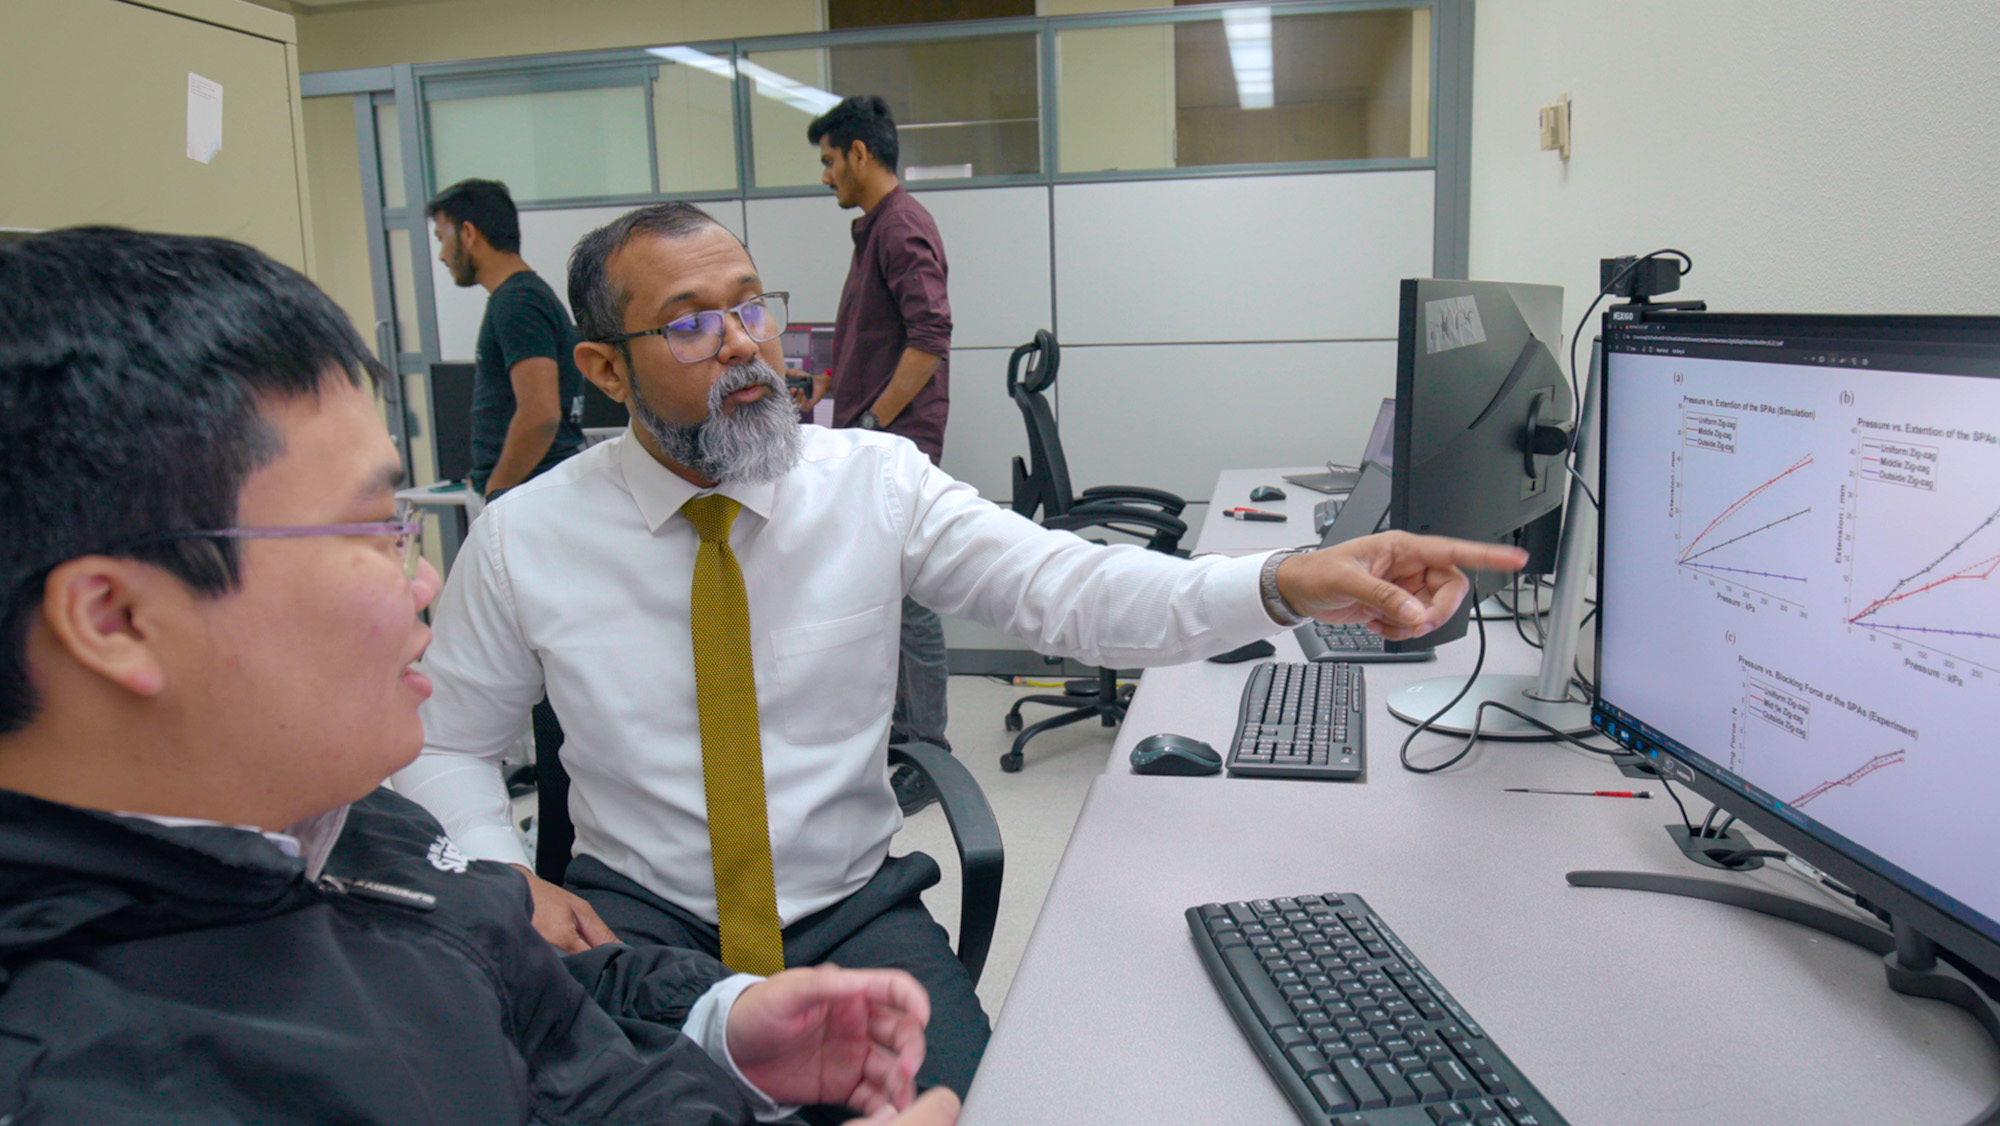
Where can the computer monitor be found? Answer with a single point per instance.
(450, 401)
(1381, 447)
(1799, 612)
(1476, 375)
(1381, 450)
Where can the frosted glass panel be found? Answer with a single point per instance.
(1117, 98)
(694, 127)
(562, 144)
(389, 153)
(794, 90)
(403, 289)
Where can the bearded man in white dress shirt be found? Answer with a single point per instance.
(579, 583)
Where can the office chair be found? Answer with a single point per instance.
(974, 829)
(1041, 483)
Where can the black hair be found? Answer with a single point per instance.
(485, 204)
(865, 119)
(133, 368)
(598, 305)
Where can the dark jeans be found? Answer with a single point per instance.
(923, 672)
(884, 925)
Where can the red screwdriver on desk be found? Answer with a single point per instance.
(1582, 793)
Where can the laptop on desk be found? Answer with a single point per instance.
(1381, 448)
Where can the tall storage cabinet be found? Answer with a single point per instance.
(94, 120)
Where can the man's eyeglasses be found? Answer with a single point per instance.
(407, 529)
(698, 336)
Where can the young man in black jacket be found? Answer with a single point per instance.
(208, 618)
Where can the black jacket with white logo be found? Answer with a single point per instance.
(155, 974)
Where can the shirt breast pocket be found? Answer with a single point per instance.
(835, 677)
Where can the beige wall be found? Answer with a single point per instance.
(1812, 157)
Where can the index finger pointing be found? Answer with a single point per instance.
(1440, 551)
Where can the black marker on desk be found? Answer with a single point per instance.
(1254, 514)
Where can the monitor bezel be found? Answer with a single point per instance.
(1946, 920)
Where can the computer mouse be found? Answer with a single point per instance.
(1267, 492)
(1167, 753)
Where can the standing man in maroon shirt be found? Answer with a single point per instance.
(891, 357)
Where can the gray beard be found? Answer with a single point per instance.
(752, 443)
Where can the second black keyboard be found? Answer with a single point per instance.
(1352, 1026)
(1351, 642)
(1300, 721)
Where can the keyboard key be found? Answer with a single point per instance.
(1426, 1085)
(1257, 988)
(1355, 1075)
(1391, 1081)
(1331, 1095)
(1456, 1079)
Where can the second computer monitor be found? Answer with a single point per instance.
(1478, 393)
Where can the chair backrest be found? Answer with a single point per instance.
(1044, 483)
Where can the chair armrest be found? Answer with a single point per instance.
(1167, 501)
(981, 860)
(1165, 531)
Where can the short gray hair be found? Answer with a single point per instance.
(599, 306)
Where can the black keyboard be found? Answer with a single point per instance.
(1351, 1024)
(1300, 721)
(1351, 642)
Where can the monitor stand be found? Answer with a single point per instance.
(1545, 696)
(1908, 958)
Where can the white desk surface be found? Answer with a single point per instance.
(1623, 1007)
(1220, 535)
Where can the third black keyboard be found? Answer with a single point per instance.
(1351, 1024)
(1300, 721)
(1351, 641)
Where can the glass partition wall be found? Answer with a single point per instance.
(1213, 90)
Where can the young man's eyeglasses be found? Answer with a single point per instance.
(698, 336)
(407, 529)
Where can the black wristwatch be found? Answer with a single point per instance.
(869, 421)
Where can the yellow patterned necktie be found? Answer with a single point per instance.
(732, 758)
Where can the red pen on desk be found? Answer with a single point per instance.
(1583, 793)
(1254, 514)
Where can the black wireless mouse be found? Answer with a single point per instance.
(1167, 753)
(1267, 492)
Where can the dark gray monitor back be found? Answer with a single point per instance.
(1475, 362)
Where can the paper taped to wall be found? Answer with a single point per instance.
(204, 131)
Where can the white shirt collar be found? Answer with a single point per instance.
(659, 492)
(310, 840)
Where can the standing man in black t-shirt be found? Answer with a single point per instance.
(527, 394)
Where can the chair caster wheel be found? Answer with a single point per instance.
(1010, 764)
(1014, 724)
